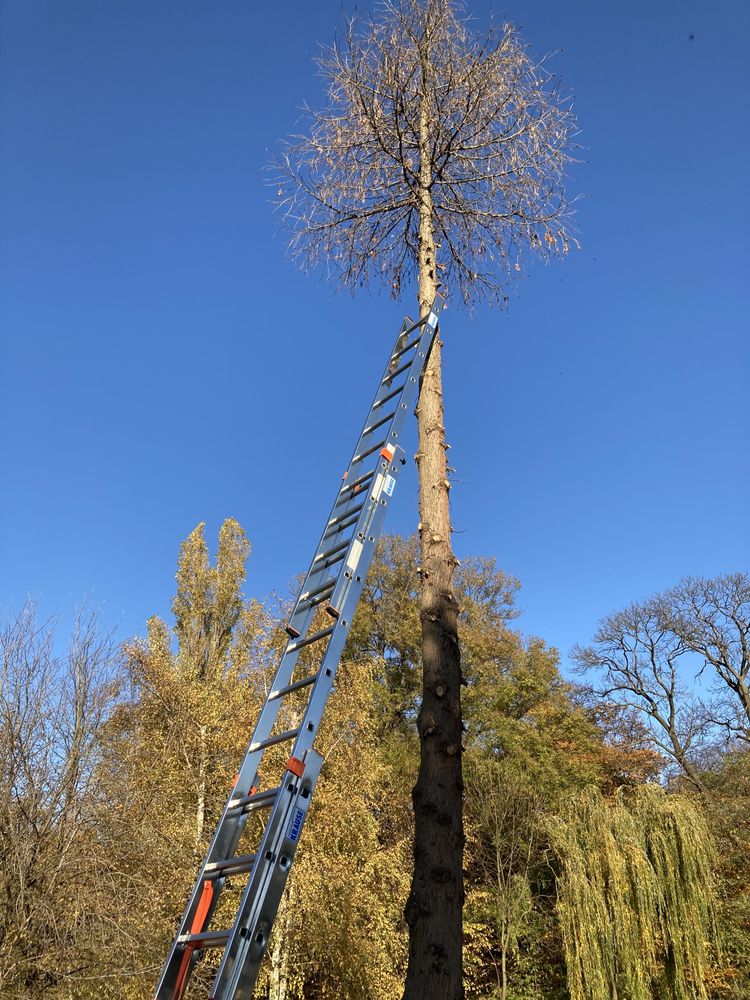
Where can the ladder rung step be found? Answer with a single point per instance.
(374, 427)
(259, 799)
(331, 552)
(315, 601)
(328, 585)
(240, 863)
(342, 525)
(280, 738)
(296, 686)
(342, 517)
(415, 326)
(355, 484)
(390, 377)
(364, 454)
(206, 939)
(408, 347)
(294, 646)
(390, 396)
(334, 560)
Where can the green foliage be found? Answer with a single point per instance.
(635, 902)
(573, 887)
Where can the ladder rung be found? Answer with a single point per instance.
(374, 427)
(342, 517)
(259, 799)
(315, 601)
(390, 377)
(343, 524)
(296, 686)
(397, 355)
(331, 552)
(355, 484)
(288, 735)
(240, 863)
(364, 454)
(206, 939)
(294, 646)
(390, 396)
(328, 585)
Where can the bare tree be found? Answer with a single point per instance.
(641, 660)
(51, 710)
(712, 618)
(651, 650)
(436, 150)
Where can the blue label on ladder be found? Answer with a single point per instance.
(295, 825)
(389, 485)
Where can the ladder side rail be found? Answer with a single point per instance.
(400, 402)
(239, 966)
(229, 827)
(338, 511)
(232, 822)
(229, 973)
(262, 895)
(363, 535)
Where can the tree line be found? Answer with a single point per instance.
(606, 822)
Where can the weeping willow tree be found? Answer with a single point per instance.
(635, 902)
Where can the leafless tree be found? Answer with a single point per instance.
(651, 652)
(641, 660)
(712, 618)
(436, 150)
(51, 710)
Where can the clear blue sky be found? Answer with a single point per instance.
(158, 348)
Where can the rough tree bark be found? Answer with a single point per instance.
(429, 131)
(434, 907)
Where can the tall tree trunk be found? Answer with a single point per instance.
(434, 907)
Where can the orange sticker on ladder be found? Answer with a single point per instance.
(295, 766)
(388, 452)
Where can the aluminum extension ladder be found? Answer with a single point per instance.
(334, 580)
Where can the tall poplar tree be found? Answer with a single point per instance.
(437, 150)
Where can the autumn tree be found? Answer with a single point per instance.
(649, 653)
(55, 875)
(437, 150)
(635, 895)
(170, 750)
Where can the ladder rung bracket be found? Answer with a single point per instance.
(296, 686)
(315, 637)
